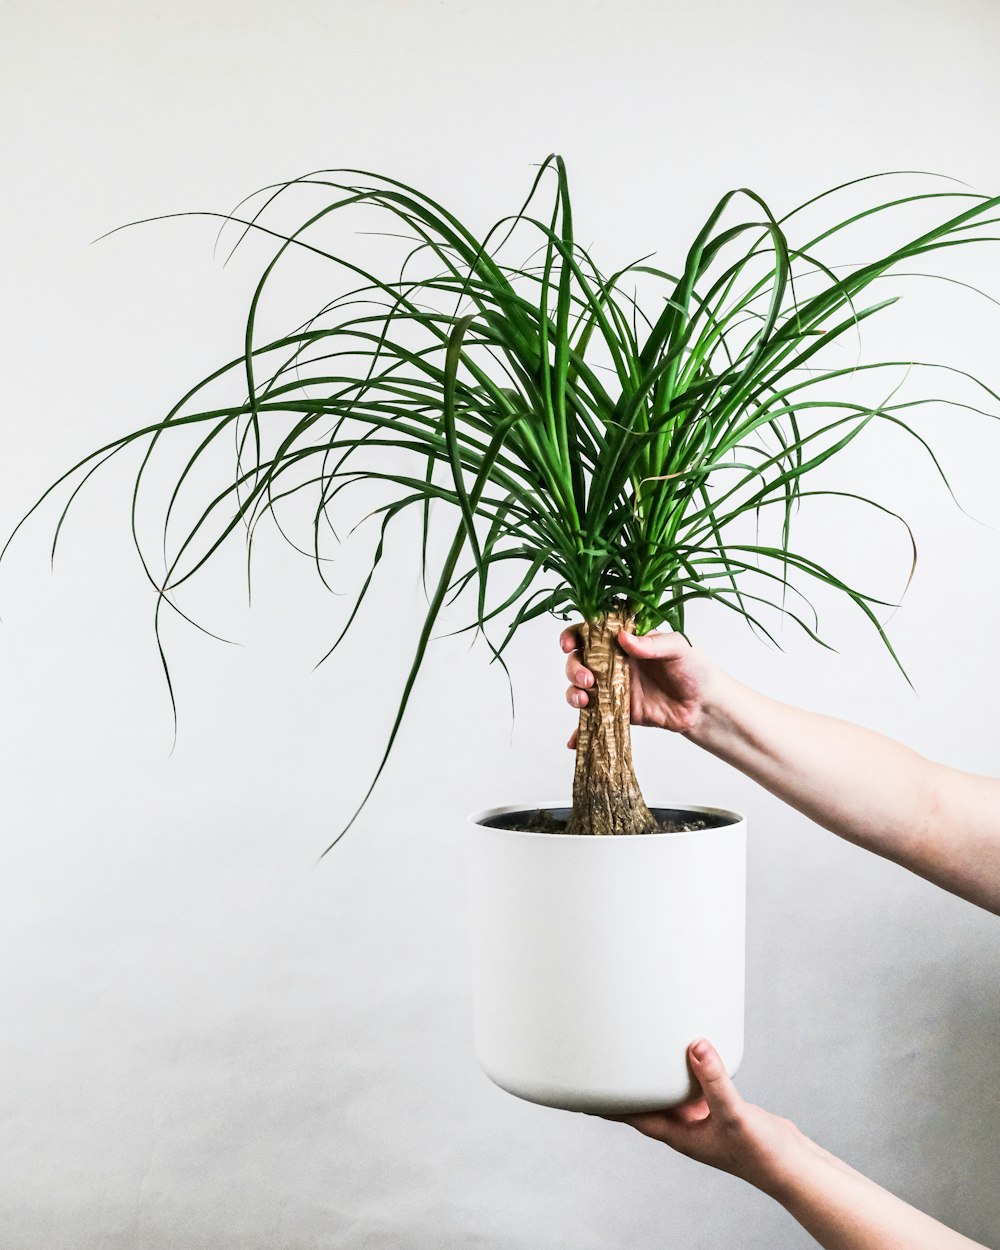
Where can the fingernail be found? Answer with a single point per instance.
(699, 1051)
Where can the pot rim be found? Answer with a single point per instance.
(478, 818)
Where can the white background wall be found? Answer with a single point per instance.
(206, 1041)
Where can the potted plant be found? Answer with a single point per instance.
(612, 447)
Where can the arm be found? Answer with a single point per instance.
(842, 1209)
(940, 823)
(936, 821)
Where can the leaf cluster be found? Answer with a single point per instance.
(599, 437)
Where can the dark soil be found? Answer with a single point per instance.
(555, 820)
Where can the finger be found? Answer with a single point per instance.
(648, 1122)
(654, 646)
(569, 639)
(710, 1073)
(576, 697)
(578, 673)
(662, 1126)
(572, 741)
(691, 1112)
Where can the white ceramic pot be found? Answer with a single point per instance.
(597, 960)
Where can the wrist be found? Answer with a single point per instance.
(780, 1168)
(717, 722)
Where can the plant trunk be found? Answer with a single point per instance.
(606, 795)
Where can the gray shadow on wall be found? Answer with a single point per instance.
(947, 1123)
(874, 1023)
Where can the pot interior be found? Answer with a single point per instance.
(529, 817)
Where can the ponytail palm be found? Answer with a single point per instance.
(601, 438)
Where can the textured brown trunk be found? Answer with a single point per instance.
(606, 795)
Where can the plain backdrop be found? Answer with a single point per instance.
(209, 1040)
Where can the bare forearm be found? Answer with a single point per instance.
(857, 783)
(942, 824)
(844, 1210)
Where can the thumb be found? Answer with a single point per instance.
(654, 646)
(710, 1073)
